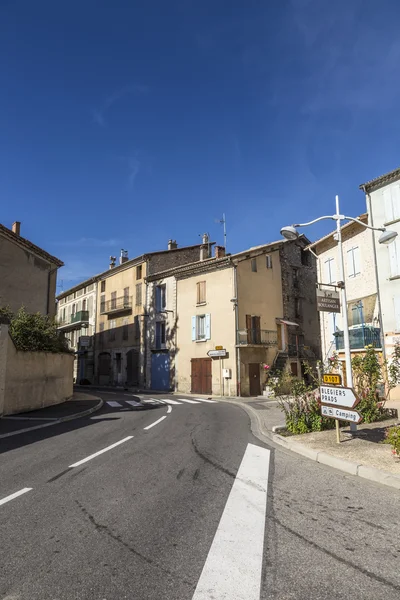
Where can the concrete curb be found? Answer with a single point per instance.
(346, 466)
(83, 413)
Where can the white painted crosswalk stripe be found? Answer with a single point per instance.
(133, 403)
(188, 401)
(114, 404)
(168, 401)
(206, 400)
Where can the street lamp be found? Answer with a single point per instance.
(387, 236)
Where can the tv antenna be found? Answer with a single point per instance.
(223, 222)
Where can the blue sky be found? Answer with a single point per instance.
(124, 124)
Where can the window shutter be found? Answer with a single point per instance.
(208, 327)
(393, 258)
(350, 263)
(395, 194)
(331, 318)
(193, 329)
(387, 200)
(158, 298)
(330, 272)
(198, 292)
(357, 260)
(396, 301)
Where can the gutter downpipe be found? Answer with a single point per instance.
(378, 293)
(237, 348)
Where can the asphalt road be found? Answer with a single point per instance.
(179, 511)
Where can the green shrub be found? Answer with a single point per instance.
(393, 438)
(34, 332)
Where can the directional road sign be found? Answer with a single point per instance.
(338, 396)
(214, 353)
(341, 413)
(332, 378)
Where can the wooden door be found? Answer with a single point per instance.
(254, 378)
(279, 331)
(201, 376)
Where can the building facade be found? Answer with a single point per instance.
(28, 274)
(76, 317)
(361, 289)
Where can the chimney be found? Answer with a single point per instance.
(123, 257)
(206, 239)
(16, 227)
(112, 261)
(172, 245)
(219, 251)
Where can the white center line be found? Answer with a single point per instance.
(188, 401)
(234, 564)
(155, 423)
(15, 495)
(169, 409)
(77, 464)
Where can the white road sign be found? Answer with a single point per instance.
(341, 413)
(213, 353)
(338, 396)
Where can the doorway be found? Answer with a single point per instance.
(132, 367)
(254, 379)
(201, 376)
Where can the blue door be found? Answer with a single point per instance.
(160, 377)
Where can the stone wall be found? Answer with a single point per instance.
(173, 258)
(32, 380)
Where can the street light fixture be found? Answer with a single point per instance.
(387, 236)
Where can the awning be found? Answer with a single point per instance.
(288, 323)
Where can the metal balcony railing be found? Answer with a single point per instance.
(80, 316)
(124, 303)
(76, 320)
(259, 337)
(359, 338)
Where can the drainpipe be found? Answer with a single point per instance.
(50, 273)
(237, 348)
(378, 293)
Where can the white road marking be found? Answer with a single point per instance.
(113, 404)
(234, 563)
(155, 423)
(188, 401)
(113, 393)
(168, 401)
(77, 464)
(133, 403)
(169, 409)
(204, 400)
(15, 495)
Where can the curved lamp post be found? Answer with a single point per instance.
(387, 236)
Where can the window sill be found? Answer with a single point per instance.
(201, 304)
(394, 277)
(200, 341)
(391, 222)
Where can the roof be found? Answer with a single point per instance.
(373, 184)
(363, 218)
(20, 241)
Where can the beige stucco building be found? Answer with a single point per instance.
(361, 289)
(241, 304)
(28, 274)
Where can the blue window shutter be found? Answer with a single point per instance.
(158, 299)
(208, 327)
(193, 329)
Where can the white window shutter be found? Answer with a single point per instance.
(357, 260)
(387, 200)
(395, 194)
(331, 321)
(350, 263)
(193, 329)
(208, 327)
(330, 275)
(393, 258)
(396, 301)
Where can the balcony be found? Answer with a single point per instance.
(115, 305)
(257, 337)
(359, 338)
(76, 321)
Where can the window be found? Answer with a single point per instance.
(353, 262)
(111, 331)
(73, 310)
(297, 307)
(391, 200)
(306, 258)
(268, 261)
(160, 298)
(138, 294)
(253, 327)
(356, 313)
(118, 360)
(125, 330)
(102, 304)
(396, 301)
(101, 335)
(330, 271)
(63, 315)
(295, 278)
(137, 327)
(113, 300)
(103, 287)
(160, 334)
(394, 256)
(84, 304)
(254, 265)
(201, 328)
(90, 287)
(139, 272)
(294, 369)
(126, 297)
(201, 292)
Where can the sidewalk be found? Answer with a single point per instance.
(363, 455)
(80, 405)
